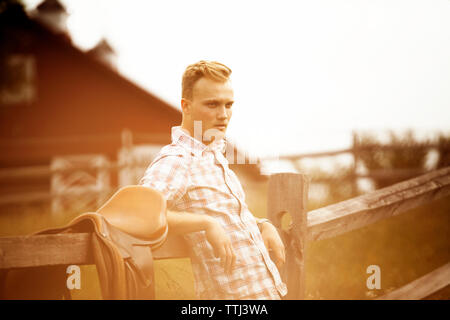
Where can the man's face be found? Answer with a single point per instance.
(211, 104)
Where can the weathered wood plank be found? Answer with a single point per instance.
(68, 248)
(358, 212)
(288, 193)
(45, 250)
(422, 287)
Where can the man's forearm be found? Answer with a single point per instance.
(186, 222)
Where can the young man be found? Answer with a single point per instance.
(205, 200)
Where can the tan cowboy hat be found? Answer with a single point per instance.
(139, 211)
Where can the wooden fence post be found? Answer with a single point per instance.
(288, 193)
(125, 160)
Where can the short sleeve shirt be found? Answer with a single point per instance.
(196, 178)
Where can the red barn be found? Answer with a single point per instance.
(58, 100)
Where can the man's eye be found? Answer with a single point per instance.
(229, 105)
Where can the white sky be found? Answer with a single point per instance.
(305, 73)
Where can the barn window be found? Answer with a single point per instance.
(18, 83)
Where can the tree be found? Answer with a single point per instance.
(444, 151)
(402, 152)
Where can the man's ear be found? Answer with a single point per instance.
(185, 106)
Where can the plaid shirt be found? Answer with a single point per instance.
(196, 178)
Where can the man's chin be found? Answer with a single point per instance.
(215, 133)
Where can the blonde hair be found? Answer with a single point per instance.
(211, 69)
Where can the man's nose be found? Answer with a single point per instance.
(222, 113)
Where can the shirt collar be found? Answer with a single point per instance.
(182, 137)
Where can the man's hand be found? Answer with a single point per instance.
(221, 244)
(273, 242)
(184, 222)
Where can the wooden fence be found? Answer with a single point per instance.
(128, 139)
(26, 176)
(287, 194)
(356, 151)
(45, 171)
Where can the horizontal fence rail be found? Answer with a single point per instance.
(422, 287)
(51, 249)
(358, 212)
